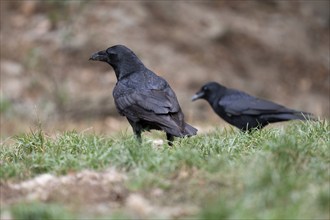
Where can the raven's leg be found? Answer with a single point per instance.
(170, 139)
(137, 133)
(137, 129)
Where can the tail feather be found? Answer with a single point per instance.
(289, 116)
(176, 131)
(175, 128)
(189, 130)
(306, 116)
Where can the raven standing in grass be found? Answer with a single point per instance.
(147, 100)
(243, 110)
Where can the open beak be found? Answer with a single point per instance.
(99, 56)
(198, 95)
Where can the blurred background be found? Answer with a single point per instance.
(277, 50)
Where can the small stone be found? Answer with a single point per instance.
(139, 205)
(157, 143)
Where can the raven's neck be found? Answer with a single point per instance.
(127, 67)
(215, 97)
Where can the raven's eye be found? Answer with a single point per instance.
(110, 52)
(112, 55)
(205, 89)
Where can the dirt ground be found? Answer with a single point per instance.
(277, 50)
(94, 193)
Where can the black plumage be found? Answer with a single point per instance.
(244, 111)
(147, 100)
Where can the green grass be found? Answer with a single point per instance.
(269, 174)
(39, 211)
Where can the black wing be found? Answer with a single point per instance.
(239, 103)
(156, 101)
(159, 108)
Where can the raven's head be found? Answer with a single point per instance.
(121, 58)
(100, 56)
(209, 91)
(113, 55)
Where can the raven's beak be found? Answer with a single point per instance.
(99, 56)
(198, 95)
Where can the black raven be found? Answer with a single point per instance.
(147, 100)
(243, 110)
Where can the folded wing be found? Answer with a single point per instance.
(244, 104)
(157, 108)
